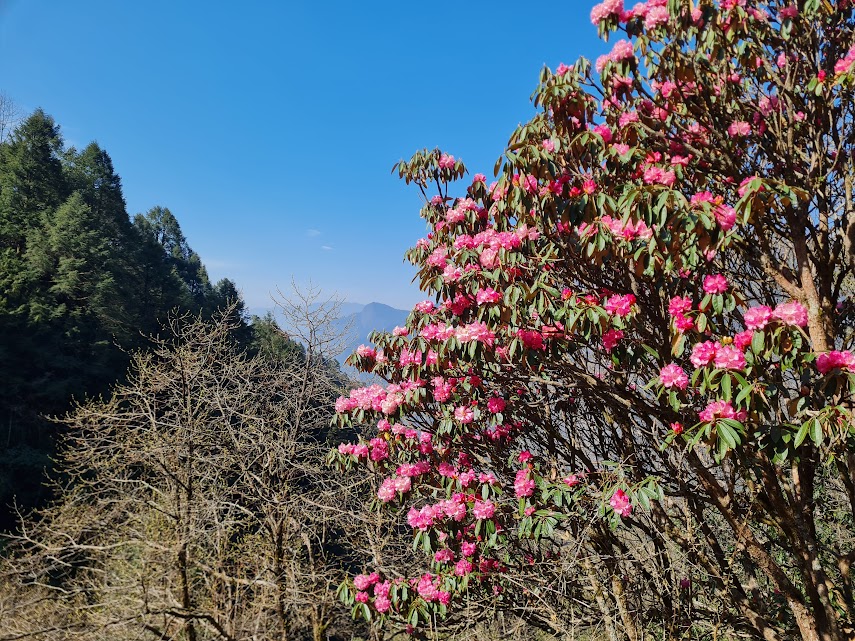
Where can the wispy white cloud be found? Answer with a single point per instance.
(312, 233)
(326, 248)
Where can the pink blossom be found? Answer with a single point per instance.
(683, 323)
(387, 490)
(477, 332)
(454, 509)
(443, 556)
(743, 186)
(611, 338)
(606, 9)
(743, 339)
(446, 161)
(835, 360)
(525, 456)
(382, 604)
(365, 581)
(483, 510)
(489, 258)
(479, 178)
(451, 273)
(758, 317)
(622, 50)
(362, 597)
(466, 478)
(792, 313)
(468, 548)
(523, 484)
(496, 404)
(715, 284)
(604, 132)
(704, 353)
(720, 409)
(487, 295)
(729, 357)
(379, 449)
(364, 351)
(620, 305)
(620, 503)
(788, 12)
(402, 484)
(677, 428)
(427, 589)
(463, 567)
(627, 118)
(673, 376)
(655, 17)
(424, 518)
(844, 65)
(571, 480)
(548, 145)
(725, 215)
(464, 415)
(679, 305)
(425, 307)
(739, 128)
(531, 339)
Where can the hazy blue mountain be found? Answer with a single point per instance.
(372, 317)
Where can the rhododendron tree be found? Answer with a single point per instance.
(650, 301)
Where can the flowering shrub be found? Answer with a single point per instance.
(636, 340)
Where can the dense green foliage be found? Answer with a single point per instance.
(81, 285)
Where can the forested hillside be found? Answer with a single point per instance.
(81, 285)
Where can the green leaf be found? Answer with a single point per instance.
(801, 435)
(726, 387)
(816, 432)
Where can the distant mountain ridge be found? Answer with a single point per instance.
(370, 318)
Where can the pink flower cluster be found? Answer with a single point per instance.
(721, 409)
(483, 510)
(523, 484)
(453, 508)
(620, 305)
(792, 313)
(678, 306)
(611, 338)
(442, 389)
(835, 360)
(757, 317)
(446, 161)
(620, 503)
(390, 486)
(428, 588)
(654, 175)
(722, 356)
(488, 295)
(376, 398)
(673, 376)
(628, 230)
(531, 339)
(606, 9)
(715, 284)
(846, 64)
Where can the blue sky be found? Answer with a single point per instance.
(270, 128)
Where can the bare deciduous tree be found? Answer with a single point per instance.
(195, 503)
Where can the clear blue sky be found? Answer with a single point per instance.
(270, 128)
